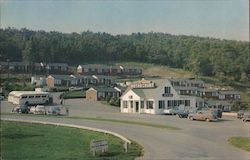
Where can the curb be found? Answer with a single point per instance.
(72, 126)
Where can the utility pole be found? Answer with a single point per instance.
(8, 61)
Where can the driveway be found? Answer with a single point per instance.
(195, 140)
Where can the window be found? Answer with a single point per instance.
(31, 96)
(24, 96)
(187, 102)
(167, 90)
(170, 103)
(175, 102)
(180, 102)
(161, 104)
(37, 96)
(44, 96)
(142, 104)
(150, 104)
(131, 104)
(125, 104)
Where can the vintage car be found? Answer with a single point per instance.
(206, 115)
(54, 110)
(240, 114)
(183, 113)
(40, 109)
(20, 109)
(246, 116)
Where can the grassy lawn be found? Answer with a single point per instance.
(26, 141)
(152, 70)
(106, 120)
(240, 142)
(74, 94)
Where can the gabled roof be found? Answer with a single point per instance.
(178, 88)
(58, 64)
(148, 92)
(105, 66)
(61, 77)
(189, 80)
(211, 102)
(229, 92)
(211, 90)
(104, 89)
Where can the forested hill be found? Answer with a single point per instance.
(203, 56)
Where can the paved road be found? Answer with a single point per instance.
(195, 140)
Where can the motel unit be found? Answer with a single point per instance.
(38, 68)
(102, 93)
(79, 80)
(102, 69)
(155, 97)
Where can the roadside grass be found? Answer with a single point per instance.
(47, 142)
(240, 142)
(104, 119)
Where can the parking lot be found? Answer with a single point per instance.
(194, 140)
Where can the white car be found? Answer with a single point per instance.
(54, 110)
(32, 109)
(40, 109)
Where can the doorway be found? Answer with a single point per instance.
(136, 106)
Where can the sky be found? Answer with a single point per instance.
(224, 19)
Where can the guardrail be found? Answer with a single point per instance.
(126, 141)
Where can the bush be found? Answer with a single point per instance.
(59, 89)
(114, 101)
(72, 94)
(239, 106)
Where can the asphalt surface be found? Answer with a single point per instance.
(195, 139)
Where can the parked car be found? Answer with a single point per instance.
(172, 110)
(32, 109)
(246, 117)
(20, 109)
(40, 109)
(203, 115)
(240, 114)
(183, 113)
(218, 112)
(54, 110)
(1, 98)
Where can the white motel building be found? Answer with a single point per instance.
(155, 97)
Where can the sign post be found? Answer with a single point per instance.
(98, 145)
(126, 147)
